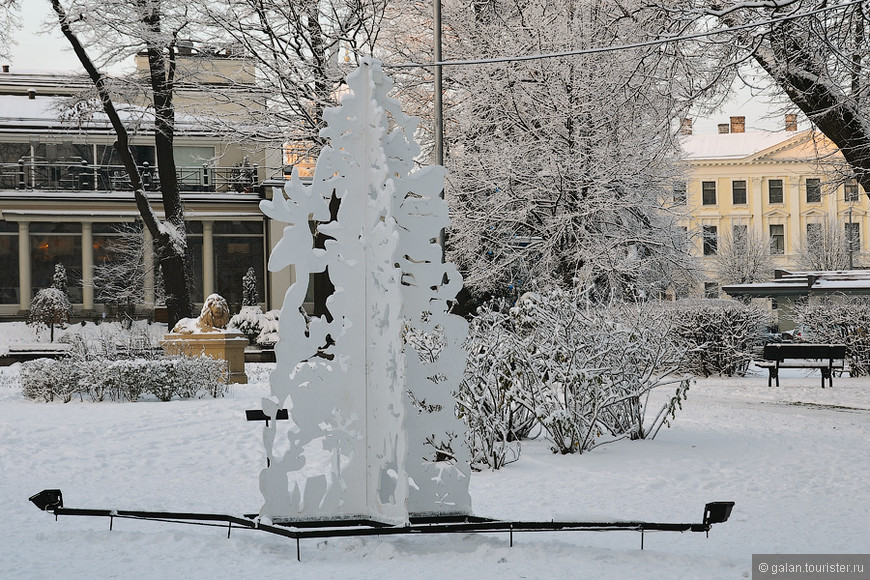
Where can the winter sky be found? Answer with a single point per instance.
(38, 50)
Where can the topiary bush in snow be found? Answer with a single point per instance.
(59, 279)
(841, 320)
(719, 335)
(250, 296)
(100, 379)
(49, 307)
(580, 371)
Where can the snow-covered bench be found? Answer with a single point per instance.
(801, 355)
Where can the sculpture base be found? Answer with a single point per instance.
(228, 346)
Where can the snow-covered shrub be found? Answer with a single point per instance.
(123, 379)
(584, 373)
(488, 401)
(720, 335)
(37, 379)
(269, 331)
(126, 379)
(842, 320)
(204, 376)
(50, 306)
(249, 321)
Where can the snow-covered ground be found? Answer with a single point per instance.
(794, 459)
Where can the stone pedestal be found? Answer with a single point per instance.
(224, 345)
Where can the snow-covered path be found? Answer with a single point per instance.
(800, 476)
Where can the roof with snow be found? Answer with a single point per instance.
(20, 113)
(724, 146)
(816, 283)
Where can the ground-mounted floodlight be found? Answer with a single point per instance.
(48, 500)
(717, 512)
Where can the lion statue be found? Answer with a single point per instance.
(214, 316)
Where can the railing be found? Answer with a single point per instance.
(78, 175)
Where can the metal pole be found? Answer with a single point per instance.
(439, 121)
(438, 105)
(851, 241)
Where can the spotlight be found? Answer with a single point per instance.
(48, 500)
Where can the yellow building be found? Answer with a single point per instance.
(784, 187)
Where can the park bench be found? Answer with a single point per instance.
(825, 357)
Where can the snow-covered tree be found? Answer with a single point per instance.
(560, 167)
(59, 279)
(105, 33)
(302, 52)
(124, 277)
(824, 246)
(250, 296)
(9, 15)
(250, 320)
(743, 257)
(49, 307)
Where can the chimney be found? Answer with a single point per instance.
(724, 128)
(685, 126)
(790, 122)
(738, 124)
(31, 94)
(6, 68)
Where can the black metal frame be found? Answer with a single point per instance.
(51, 500)
(823, 354)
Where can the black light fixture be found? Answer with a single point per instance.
(717, 512)
(48, 500)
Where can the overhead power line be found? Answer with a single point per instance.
(604, 49)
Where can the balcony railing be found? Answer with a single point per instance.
(78, 175)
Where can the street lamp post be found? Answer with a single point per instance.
(439, 121)
(851, 238)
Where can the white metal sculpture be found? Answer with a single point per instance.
(372, 430)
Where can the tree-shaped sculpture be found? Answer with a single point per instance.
(370, 384)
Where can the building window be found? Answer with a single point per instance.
(774, 190)
(711, 290)
(814, 235)
(853, 237)
(777, 239)
(9, 262)
(738, 192)
(708, 192)
(850, 188)
(711, 241)
(739, 235)
(680, 193)
(681, 239)
(814, 190)
(54, 243)
(238, 245)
